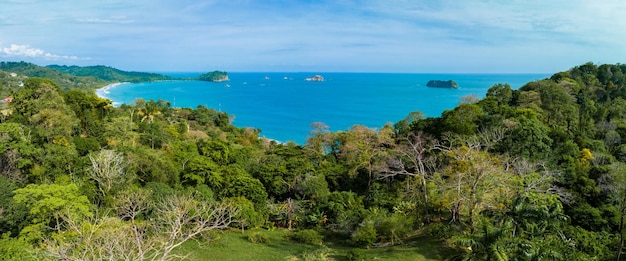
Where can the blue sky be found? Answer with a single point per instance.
(420, 36)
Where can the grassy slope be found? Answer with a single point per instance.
(235, 246)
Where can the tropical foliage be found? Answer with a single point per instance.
(530, 174)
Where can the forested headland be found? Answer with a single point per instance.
(537, 173)
(214, 76)
(13, 74)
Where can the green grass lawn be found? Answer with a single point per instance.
(234, 245)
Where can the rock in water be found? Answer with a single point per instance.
(316, 78)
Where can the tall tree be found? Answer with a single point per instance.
(47, 203)
(614, 182)
(411, 158)
(474, 180)
(17, 152)
(39, 104)
(363, 148)
(108, 170)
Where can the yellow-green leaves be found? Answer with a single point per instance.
(47, 202)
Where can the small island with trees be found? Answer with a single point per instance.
(442, 84)
(215, 76)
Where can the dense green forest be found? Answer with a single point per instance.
(109, 74)
(537, 173)
(13, 74)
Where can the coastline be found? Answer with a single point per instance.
(283, 110)
(103, 91)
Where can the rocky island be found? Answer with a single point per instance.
(442, 84)
(315, 78)
(215, 76)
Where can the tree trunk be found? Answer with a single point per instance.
(289, 213)
(621, 235)
(369, 178)
(471, 210)
(425, 191)
(455, 212)
(471, 220)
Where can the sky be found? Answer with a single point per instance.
(408, 36)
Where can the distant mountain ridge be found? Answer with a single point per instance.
(12, 75)
(109, 73)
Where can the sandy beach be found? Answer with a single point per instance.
(102, 92)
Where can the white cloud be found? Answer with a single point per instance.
(111, 20)
(16, 50)
(406, 35)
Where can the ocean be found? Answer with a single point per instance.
(283, 105)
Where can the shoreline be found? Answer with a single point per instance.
(103, 91)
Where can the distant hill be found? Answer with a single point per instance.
(12, 74)
(110, 74)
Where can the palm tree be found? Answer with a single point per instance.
(487, 243)
(539, 249)
(533, 214)
(535, 220)
(148, 109)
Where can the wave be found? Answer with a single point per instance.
(102, 92)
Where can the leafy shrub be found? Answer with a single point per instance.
(259, 237)
(14, 248)
(203, 191)
(159, 190)
(365, 235)
(211, 236)
(85, 145)
(440, 230)
(394, 227)
(356, 255)
(307, 236)
(323, 254)
(248, 217)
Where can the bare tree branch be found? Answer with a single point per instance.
(181, 218)
(108, 170)
(410, 158)
(178, 218)
(9, 166)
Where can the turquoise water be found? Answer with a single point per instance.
(283, 105)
